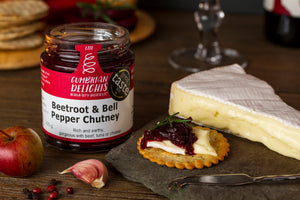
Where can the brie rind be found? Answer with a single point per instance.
(201, 146)
(228, 99)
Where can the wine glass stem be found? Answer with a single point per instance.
(208, 18)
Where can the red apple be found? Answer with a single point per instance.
(21, 151)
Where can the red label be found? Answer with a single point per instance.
(88, 81)
(280, 9)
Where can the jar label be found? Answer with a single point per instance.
(87, 105)
(283, 7)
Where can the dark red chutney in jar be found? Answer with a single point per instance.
(180, 134)
(87, 86)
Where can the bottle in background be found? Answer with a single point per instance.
(282, 21)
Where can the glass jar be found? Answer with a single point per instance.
(87, 86)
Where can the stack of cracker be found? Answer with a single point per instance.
(21, 42)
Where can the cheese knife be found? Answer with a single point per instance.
(228, 179)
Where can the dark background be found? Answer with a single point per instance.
(230, 6)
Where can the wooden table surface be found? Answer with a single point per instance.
(20, 98)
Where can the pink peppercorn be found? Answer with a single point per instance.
(53, 195)
(69, 190)
(51, 188)
(37, 190)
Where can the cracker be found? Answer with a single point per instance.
(20, 31)
(5, 24)
(161, 157)
(22, 10)
(19, 59)
(30, 41)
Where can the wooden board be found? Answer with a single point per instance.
(144, 28)
(19, 59)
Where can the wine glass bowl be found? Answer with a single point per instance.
(208, 53)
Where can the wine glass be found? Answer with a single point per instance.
(208, 54)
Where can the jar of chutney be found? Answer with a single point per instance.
(87, 72)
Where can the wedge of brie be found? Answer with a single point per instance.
(201, 146)
(229, 99)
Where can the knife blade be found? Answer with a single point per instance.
(228, 179)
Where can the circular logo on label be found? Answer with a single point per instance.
(119, 84)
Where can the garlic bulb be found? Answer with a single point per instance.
(91, 171)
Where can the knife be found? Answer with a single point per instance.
(228, 179)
